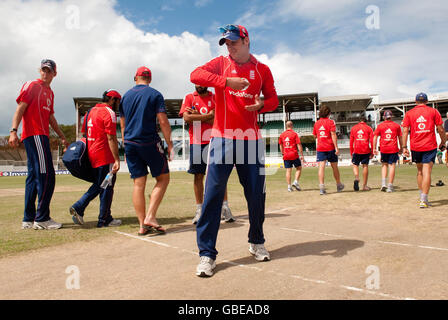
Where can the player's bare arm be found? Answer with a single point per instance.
(334, 137)
(404, 140)
(301, 152)
(442, 134)
(14, 138)
(375, 144)
(166, 131)
(55, 126)
(113, 146)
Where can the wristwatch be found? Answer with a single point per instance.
(13, 130)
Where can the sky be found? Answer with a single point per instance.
(391, 48)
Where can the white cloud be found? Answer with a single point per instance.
(202, 3)
(103, 53)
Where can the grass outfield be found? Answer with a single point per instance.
(178, 205)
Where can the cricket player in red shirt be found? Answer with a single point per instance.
(422, 121)
(289, 142)
(36, 109)
(361, 150)
(388, 132)
(198, 111)
(103, 155)
(327, 148)
(238, 79)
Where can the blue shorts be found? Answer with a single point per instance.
(198, 158)
(292, 163)
(360, 159)
(140, 156)
(424, 156)
(390, 158)
(329, 155)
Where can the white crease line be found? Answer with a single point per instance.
(379, 241)
(273, 272)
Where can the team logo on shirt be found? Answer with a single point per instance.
(252, 75)
(388, 134)
(322, 131)
(421, 124)
(360, 134)
(287, 142)
(234, 71)
(203, 110)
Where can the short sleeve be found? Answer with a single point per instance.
(332, 126)
(110, 121)
(405, 122)
(160, 104)
(27, 93)
(438, 118)
(185, 103)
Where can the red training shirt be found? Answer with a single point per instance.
(101, 122)
(232, 120)
(40, 101)
(389, 131)
(422, 120)
(289, 140)
(361, 139)
(203, 105)
(322, 130)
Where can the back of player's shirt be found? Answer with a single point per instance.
(422, 121)
(140, 106)
(322, 130)
(289, 140)
(388, 131)
(40, 101)
(101, 122)
(361, 139)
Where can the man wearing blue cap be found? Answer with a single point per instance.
(35, 106)
(422, 121)
(238, 79)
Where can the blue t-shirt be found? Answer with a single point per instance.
(139, 106)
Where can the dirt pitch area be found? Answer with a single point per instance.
(322, 247)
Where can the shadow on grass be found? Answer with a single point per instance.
(334, 248)
(439, 203)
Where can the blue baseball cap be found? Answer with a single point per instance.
(47, 63)
(233, 33)
(421, 97)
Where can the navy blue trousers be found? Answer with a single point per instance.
(40, 180)
(248, 158)
(106, 196)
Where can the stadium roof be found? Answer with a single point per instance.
(293, 103)
(358, 102)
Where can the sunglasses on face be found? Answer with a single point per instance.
(235, 29)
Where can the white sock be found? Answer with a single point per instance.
(296, 182)
(424, 197)
(289, 186)
(383, 181)
(322, 187)
(225, 203)
(199, 206)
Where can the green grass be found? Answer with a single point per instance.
(178, 205)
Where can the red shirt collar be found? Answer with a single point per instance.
(252, 59)
(421, 105)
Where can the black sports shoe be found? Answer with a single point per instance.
(356, 185)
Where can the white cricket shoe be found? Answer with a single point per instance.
(114, 223)
(47, 225)
(205, 267)
(77, 219)
(296, 185)
(226, 214)
(260, 252)
(27, 225)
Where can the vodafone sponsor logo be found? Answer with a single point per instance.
(241, 94)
